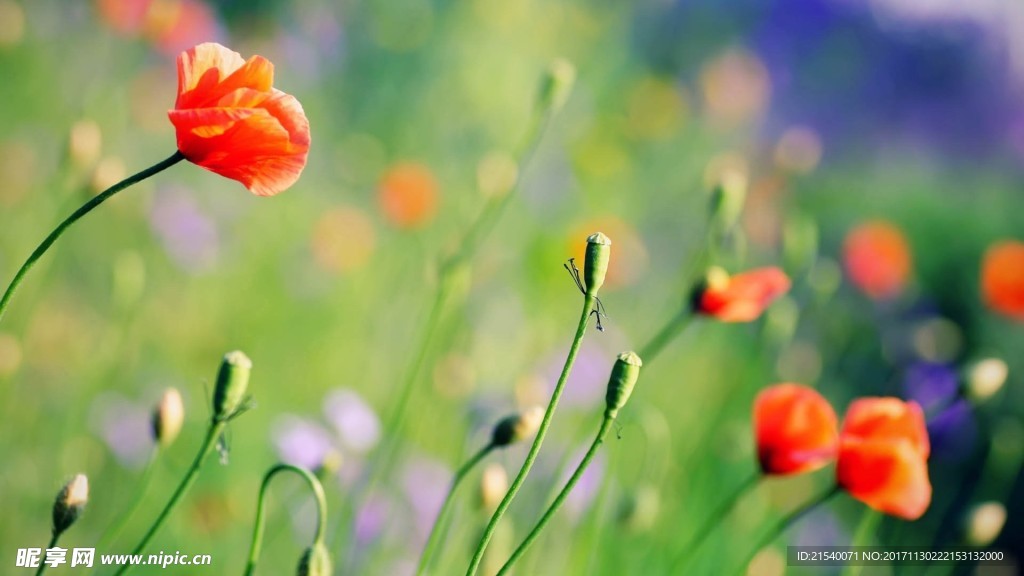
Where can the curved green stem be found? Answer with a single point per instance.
(436, 530)
(581, 329)
(212, 434)
(668, 332)
(785, 523)
(606, 424)
(689, 551)
(82, 211)
(321, 511)
(42, 563)
(147, 475)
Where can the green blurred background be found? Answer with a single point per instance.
(836, 113)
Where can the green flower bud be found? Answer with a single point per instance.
(595, 263)
(70, 502)
(315, 561)
(620, 384)
(232, 382)
(727, 200)
(556, 85)
(168, 417)
(517, 427)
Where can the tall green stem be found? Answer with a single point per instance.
(689, 550)
(437, 529)
(784, 525)
(42, 561)
(668, 332)
(606, 424)
(212, 434)
(581, 329)
(82, 211)
(321, 511)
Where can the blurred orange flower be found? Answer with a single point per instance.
(883, 456)
(740, 298)
(232, 121)
(877, 259)
(796, 429)
(1002, 278)
(408, 195)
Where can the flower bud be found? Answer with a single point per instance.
(69, 503)
(168, 417)
(556, 85)
(517, 427)
(329, 465)
(595, 263)
(983, 523)
(727, 199)
(493, 486)
(620, 385)
(232, 382)
(315, 561)
(986, 378)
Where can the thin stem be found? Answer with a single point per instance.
(212, 434)
(668, 332)
(82, 211)
(689, 550)
(581, 329)
(42, 563)
(606, 424)
(436, 530)
(147, 475)
(321, 511)
(785, 523)
(867, 526)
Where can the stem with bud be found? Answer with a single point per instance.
(321, 508)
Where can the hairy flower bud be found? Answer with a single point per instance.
(168, 417)
(315, 561)
(595, 263)
(517, 427)
(625, 372)
(232, 383)
(556, 85)
(70, 501)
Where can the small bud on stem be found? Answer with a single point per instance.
(595, 264)
(625, 372)
(232, 383)
(517, 427)
(168, 418)
(70, 502)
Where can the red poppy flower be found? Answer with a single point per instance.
(796, 429)
(1002, 278)
(231, 120)
(740, 298)
(877, 259)
(883, 456)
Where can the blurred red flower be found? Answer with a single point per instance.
(231, 120)
(1002, 278)
(796, 429)
(740, 298)
(883, 456)
(877, 259)
(408, 195)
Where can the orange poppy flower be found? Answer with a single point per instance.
(796, 429)
(408, 195)
(877, 259)
(740, 298)
(231, 120)
(1002, 278)
(883, 456)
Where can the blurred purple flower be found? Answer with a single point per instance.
(372, 519)
(589, 377)
(931, 385)
(355, 421)
(188, 235)
(953, 432)
(125, 427)
(586, 490)
(301, 442)
(425, 484)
